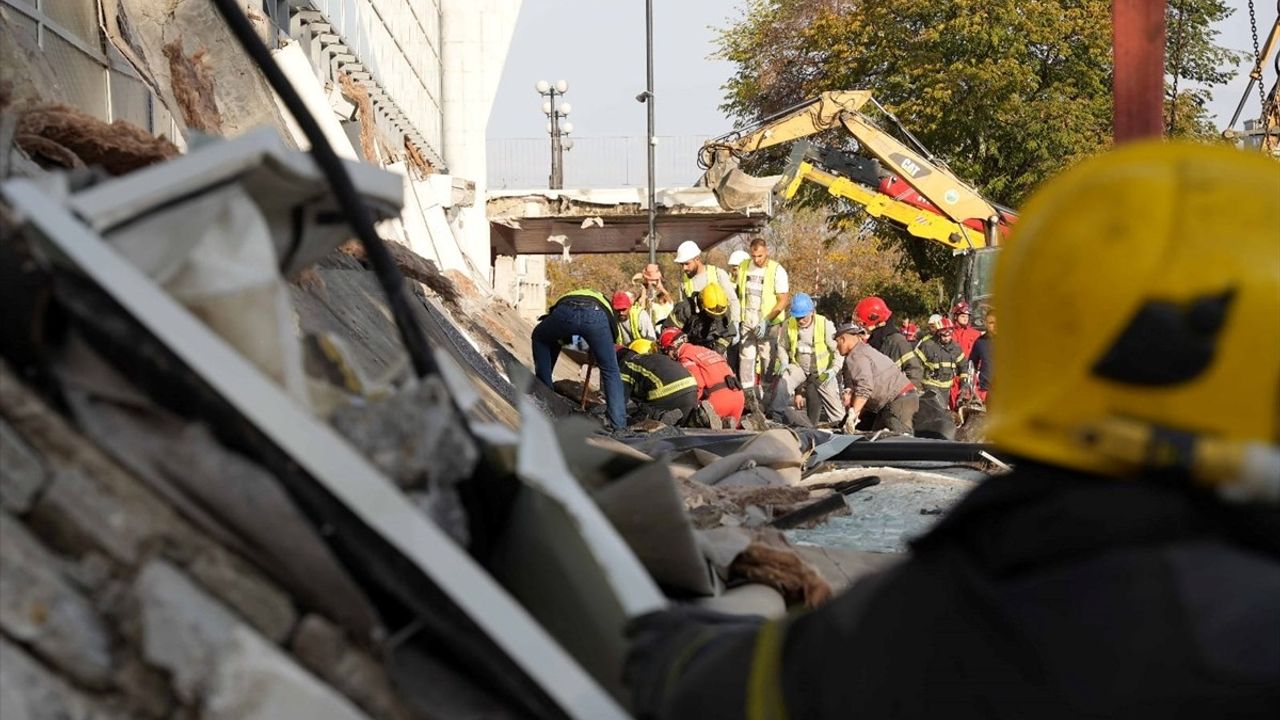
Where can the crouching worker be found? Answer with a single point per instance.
(806, 350)
(661, 387)
(1129, 565)
(705, 319)
(587, 314)
(717, 385)
(877, 393)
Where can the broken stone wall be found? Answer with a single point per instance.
(113, 605)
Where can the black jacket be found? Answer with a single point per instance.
(655, 378)
(1044, 594)
(982, 364)
(889, 340)
(703, 328)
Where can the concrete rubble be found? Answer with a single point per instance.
(165, 552)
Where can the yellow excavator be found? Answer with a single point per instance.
(889, 179)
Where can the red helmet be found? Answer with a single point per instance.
(621, 300)
(946, 325)
(959, 308)
(671, 337)
(871, 311)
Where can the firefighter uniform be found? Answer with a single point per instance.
(943, 363)
(658, 385)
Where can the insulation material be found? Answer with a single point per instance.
(117, 147)
(368, 128)
(770, 458)
(141, 29)
(223, 269)
(783, 569)
(193, 87)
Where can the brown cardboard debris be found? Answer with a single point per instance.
(118, 147)
(192, 81)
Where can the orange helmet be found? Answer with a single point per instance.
(871, 311)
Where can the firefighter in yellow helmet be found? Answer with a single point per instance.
(1129, 566)
(705, 318)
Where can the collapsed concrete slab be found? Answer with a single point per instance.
(555, 222)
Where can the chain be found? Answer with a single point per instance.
(1257, 55)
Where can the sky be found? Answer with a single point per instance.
(598, 47)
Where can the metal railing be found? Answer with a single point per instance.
(594, 162)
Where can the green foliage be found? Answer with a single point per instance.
(1008, 91)
(1196, 62)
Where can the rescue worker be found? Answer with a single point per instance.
(634, 323)
(1130, 565)
(697, 275)
(878, 394)
(910, 331)
(807, 354)
(705, 319)
(965, 333)
(588, 315)
(717, 384)
(943, 361)
(661, 387)
(763, 294)
(873, 314)
(736, 259)
(981, 360)
(965, 336)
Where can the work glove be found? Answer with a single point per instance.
(661, 639)
(823, 377)
(762, 330)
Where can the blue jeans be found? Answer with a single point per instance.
(592, 323)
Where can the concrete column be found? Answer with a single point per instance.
(476, 35)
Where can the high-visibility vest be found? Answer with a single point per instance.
(713, 276)
(768, 298)
(633, 321)
(821, 353)
(604, 305)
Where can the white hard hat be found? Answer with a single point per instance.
(737, 257)
(935, 321)
(687, 251)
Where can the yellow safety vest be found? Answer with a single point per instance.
(712, 272)
(768, 298)
(633, 322)
(604, 305)
(822, 353)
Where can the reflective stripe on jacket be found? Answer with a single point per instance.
(941, 363)
(653, 377)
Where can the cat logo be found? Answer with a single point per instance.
(910, 167)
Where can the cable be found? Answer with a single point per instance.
(357, 214)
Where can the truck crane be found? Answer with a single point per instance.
(903, 184)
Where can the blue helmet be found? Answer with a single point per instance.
(801, 305)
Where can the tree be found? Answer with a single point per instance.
(1193, 57)
(1008, 91)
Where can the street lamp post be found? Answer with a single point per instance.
(651, 139)
(555, 111)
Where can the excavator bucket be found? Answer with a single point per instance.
(734, 187)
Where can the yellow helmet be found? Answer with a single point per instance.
(714, 300)
(1160, 266)
(644, 346)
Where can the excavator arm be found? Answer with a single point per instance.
(949, 195)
